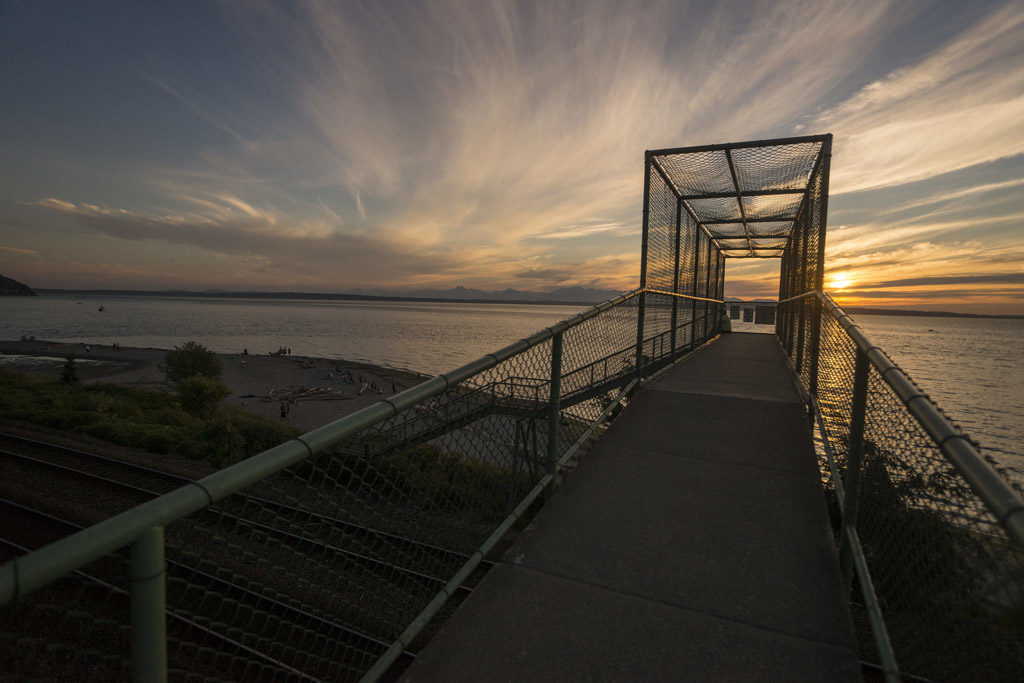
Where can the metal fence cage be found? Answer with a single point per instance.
(750, 199)
(703, 205)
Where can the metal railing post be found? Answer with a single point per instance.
(675, 274)
(640, 315)
(802, 304)
(147, 570)
(553, 407)
(816, 311)
(851, 483)
(642, 303)
(707, 288)
(693, 289)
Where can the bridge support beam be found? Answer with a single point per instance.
(147, 570)
(553, 404)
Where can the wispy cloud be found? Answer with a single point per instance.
(946, 197)
(17, 250)
(258, 242)
(458, 124)
(585, 230)
(500, 144)
(990, 278)
(959, 106)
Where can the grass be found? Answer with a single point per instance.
(154, 421)
(455, 483)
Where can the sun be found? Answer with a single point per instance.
(839, 282)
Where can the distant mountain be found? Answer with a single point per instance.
(9, 287)
(563, 295)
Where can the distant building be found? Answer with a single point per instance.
(756, 312)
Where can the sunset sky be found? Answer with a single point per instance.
(338, 145)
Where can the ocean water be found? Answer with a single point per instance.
(430, 338)
(973, 368)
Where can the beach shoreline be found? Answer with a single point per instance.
(315, 391)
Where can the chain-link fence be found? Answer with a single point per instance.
(327, 556)
(930, 530)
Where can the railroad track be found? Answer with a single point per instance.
(346, 561)
(142, 483)
(186, 624)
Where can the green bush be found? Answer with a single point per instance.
(200, 395)
(191, 359)
(152, 420)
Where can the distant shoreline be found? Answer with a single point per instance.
(311, 296)
(316, 296)
(861, 310)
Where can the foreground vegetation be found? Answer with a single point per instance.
(155, 421)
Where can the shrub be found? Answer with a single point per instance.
(191, 359)
(200, 395)
(153, 420)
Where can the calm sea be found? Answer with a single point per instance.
(425, 337)
(974, 368)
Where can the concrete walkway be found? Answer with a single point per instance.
(692, 543)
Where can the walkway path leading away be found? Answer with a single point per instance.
(692, 543)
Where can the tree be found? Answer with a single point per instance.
(200, 395)
(191, 359)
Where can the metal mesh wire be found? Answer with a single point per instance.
(73, 629)
(688, 255)
(661, 233)
(745, 190)
(949, 580)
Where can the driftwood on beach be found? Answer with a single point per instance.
(304, 394)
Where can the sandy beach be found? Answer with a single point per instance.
(316, 390)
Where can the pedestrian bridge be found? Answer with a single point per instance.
(692, 543)
(788, 504)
